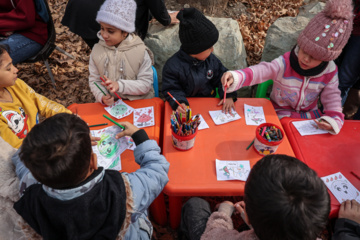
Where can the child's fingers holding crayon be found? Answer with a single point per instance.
(108, 100)
(130, 129)
(227, 79)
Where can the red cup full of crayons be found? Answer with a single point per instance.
(184, 129)
(268, 138)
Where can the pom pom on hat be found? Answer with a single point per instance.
(328, 32)
(118, 13)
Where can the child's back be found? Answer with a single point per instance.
(76, 199)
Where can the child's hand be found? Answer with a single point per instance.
(240, 207)
(324, 125)
(350, 210)
(94, 140)
(111, 86)
(181, 109)
(174, 20)
(228, 105)
(130, 129)
(227, 79)
(107, 100)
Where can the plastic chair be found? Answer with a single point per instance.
(262, 89)
(43, 10)
(155, 83)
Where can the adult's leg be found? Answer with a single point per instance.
(349, 71)
(21, 48)
(194, 216)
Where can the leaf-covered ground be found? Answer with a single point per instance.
(71, 75)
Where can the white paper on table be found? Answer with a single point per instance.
(144, 117)
(119, 109)
(108, 149)
(341, 187)
(232, 170)
(308, 127)
(220, 118)
(202, 124)
(254, 115)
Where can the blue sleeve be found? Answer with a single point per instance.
(148, 181)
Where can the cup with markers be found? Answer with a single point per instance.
(268, 138)
(184, 129)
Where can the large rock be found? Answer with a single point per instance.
(164, 42)
(283, 33)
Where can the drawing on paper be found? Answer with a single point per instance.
(220, 118)
(232, 170)
(119, 109)
(254, 115)
(144, 117)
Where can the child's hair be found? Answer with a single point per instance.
(57, 151)
(285, 199)
(3, 49)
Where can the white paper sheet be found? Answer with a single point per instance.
(144, 117)
(308, 127)
(232, 170)
(203, 124)
(220, 118)
(254, 115)
(119, 109)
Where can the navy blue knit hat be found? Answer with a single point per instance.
(196, 32)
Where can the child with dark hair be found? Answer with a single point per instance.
(65, 194)
(20, 105)
(194, 71)
(284, 199)
(307, 73)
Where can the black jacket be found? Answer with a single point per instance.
(184, 76)
(346, 229)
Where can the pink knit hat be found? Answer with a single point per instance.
(328, 32)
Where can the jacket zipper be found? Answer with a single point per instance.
(301, 94)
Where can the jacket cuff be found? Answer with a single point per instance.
(333, 124)
(226, 209)
(236, 82)
(139, 137)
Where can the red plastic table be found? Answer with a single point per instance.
(92, 113)
(327, 153)
(192, 172)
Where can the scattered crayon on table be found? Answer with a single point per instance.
(96, 125)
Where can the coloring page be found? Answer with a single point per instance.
(308, 127)
(144, 117)
(108, 149)
(220, 118)
(341, 187)
(254, 115)
(202, 124)
(131, 143)
(119, 109)
(232, 170)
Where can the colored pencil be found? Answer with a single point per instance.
(121, 126)
(176, 101)
(114, 92)
(250, 144)
(96, 125)
(224, 94)
(355, 175)
(99, 88)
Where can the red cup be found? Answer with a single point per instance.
(183, 143)
(262, 145)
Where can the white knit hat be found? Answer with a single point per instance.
(118, 13)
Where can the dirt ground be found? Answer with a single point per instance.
(71, 75)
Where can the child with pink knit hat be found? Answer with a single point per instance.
(307, 73)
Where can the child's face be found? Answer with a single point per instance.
(203, 55)
(8, 72)
(306, 61)
(112, 35)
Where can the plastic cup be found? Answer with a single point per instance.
(262, 145)
(183, 143)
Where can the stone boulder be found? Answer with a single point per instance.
(164, 42)
(283, 33)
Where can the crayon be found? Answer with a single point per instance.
(355, 175)
(224, 94)
(176, 101)
(114, 92)
(99, 88)
(252, 142)
(123, 128)
(96, 125)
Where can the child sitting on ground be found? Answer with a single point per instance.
(308, 72)
(75, 197)
(121, 57)
(283, 199)
(194, 71)
(20, 105)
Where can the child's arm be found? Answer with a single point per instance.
(148, 181)
(252, 75)
(331, 101)
(348, 225)
(94, 77)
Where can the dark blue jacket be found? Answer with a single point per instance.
(184, 76)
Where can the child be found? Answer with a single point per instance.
(284, 199)
(75, 197)
(20, 105)
(307, 73)
(347, 226)
(121, 57)
(194, 71)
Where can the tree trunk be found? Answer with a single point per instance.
(208, 7)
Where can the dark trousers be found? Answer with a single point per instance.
(194, 216)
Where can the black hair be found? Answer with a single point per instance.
(3, 49)
(57, 151)
(285, 199)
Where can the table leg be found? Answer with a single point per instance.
(175, 211)
(158, 210)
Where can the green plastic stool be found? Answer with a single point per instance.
(262, 89)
